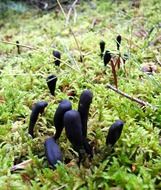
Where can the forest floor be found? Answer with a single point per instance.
(135, 162)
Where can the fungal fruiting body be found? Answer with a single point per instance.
(57, 57)
(114, 132)
(118, 41)
(83, 108)
(52, 152)
(36, 109)
(102, 47)
(63, 107)
(51, 82)
(107, 57)
(73, 128)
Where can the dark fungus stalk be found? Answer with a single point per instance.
(18, 47)
(102, 47)
(118, 41)
(51, 82)
(83, 108)
(107, 57)
(57, 57)
(52, 152)
(63, 107)
(114, 133)
(37, 108)
(73, 128)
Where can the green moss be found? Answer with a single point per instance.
(135, 163)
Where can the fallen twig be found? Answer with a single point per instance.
(6, 42)
(22, 165)
(70, 10)
(141, 102)
(70, 28)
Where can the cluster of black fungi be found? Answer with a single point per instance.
(74, 122)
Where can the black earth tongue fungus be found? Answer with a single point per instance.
(107, 57)
(51, 82)
(83, 108)
(57, 57)
(114, 133)
(118, 41)
(102, 47)
(52, 152)
(73, 128)
(18, 47)
(36, 110)
(63, 107)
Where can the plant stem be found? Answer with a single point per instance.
(114, 73)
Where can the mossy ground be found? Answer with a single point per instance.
(136, 161)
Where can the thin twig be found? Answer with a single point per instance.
(70, 10)
(141, 102)
(6, 42)
(76, 41)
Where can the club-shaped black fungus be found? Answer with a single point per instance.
(57, 57)
(107, 57)
(63, 107)
(37, 108)
(102, 47)
(52, 152)
(83, 108)
(73, 129)
(118, 41)
(51, 82)
(114, 132)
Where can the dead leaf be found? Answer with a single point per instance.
(133, 168)
(149, 68)
(21, 165)
(2, 100)
(141, 33)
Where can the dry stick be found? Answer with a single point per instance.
(141, 102)
(114, 73)
(6, 42)
(76, 41)
(70, 10)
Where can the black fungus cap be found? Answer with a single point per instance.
(51, 82)
(83, 108)
(52, 152)
(107, 57)
(36, 110)
(57, 57)
(102, 46)
(73, 128)
(114, 132)
(118, 40)
(64, 106)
